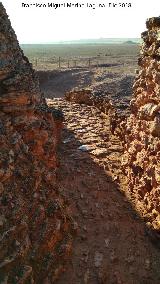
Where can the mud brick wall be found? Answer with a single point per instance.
(35, 228)
(141, 161)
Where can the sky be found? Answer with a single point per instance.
(46, 25)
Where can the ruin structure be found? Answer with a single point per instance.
(36, 230)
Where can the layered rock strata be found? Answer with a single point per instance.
(35, 228)
(141, 161)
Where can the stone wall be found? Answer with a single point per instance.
(36, 230)
(141, 161)
(91, 98)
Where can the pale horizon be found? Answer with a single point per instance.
(83, 40)
(49, 26)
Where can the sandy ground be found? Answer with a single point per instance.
(112, 244)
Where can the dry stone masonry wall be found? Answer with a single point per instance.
(103, 102)
(91, 98)
(35, 228)
(139, 132)
(141, 161)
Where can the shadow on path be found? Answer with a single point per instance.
(56, 83)
(112, 245)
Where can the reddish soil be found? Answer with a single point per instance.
(112, 244)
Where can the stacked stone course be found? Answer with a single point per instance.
(91, 98)
(35, 228)
(141, 161)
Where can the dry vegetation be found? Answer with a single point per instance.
(47, 55)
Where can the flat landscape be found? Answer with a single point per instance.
(108, 68)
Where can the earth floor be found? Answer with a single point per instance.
(112, 245)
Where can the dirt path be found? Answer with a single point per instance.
(112, 246)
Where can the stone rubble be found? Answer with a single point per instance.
(90, 98)
(111, 244)
(102, 102)
(138, 131)
(35, 227)
(141, 133)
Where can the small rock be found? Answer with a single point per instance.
(130, 259)
(147, 264)
(107, 242)
(98, 258)
(84, 212)
(17, 243)
(11, 153)
(116, 178)
(84, 148)
(99, 152)
(35, 195)
(66, 140)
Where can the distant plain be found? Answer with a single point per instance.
(108, 68)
